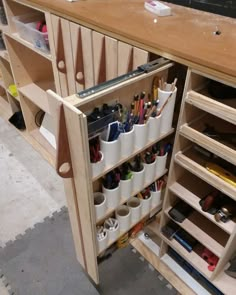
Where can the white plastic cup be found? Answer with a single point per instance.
(168, 111)
(146, 205)
(111, 151)
(112, 196)
(156, 198)
(98, 168)
(161, 164)
(100, 205)
(154, 128)
(140, 135)
(126, 187)
(102, 244)
(150, 172)
(127, 143)
(138, 180)
(112, 234)
(135, 208)
(123, 215)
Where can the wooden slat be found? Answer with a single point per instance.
(97, 54)
(208, 143)
(124, 56)
(204, 174)
(140, 57)
(111, 58)
(212, 106)
(193, 200)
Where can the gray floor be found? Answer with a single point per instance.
(36, 249)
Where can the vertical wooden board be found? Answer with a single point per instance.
(111, 58)
(97, 52)
(78, 141)
(55, 102)
(53, 51)
(88, 57)
(124, 54)
(87, 52)
(140, 57)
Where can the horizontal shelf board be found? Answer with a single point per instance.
(123, 200)
(37, 94)
(208, 143)
(212, 106)
(4, 55)
(191, 257)
(225, 283)
(14, 97)
(193, 200)
(204, 174)
(110, 242)
(200, 229)
(29, 45)
(136, 152)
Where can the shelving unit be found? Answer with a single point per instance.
(190, 181)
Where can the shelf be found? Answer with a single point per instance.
(216, 107)
(37, 93)
(191, 257)
(110, 242)
(225, 283)
(204, 231)
(4, 55)
(136, 152)
(2, 84)
(123, 200)
(29, 45)
(196, 165)
(14, 97)
(193, 199)
(194, 132)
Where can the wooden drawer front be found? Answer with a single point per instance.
(82, 50)
(64, 59)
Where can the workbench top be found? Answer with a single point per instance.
(187, 36)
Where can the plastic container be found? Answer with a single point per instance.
(154, 128)
(126, 188)
(135, 208)
(112, 196)
(140, 135)
(138, 180)
(146, 205)
(39, 39)
(127, 143)
(111, 151)
(97, 168)
(123, 215)
(100, 204)
(156, 198)
(114, 233)
(102, 243)
(21, 22)
(161, 164)
(150, 172)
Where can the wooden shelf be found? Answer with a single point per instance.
(37, 93)
(191, 257)
(136, 152)
(4, 55)
(215, 107)
(110, 242)
(196, 165)
(194, 133)
(123, 200)
(204, 231)
(193, 200)
(29, 45)
(14, 97)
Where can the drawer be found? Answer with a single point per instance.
(73, 150)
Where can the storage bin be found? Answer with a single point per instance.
(135, 208)
(112, 196)
(146, 205)
(100, 204)
(156, 198)
(123, 215)
(111, 151)
(21, 24)
(150, 172)
(39, 39)
(138, 180)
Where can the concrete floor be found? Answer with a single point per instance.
(36, 248)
